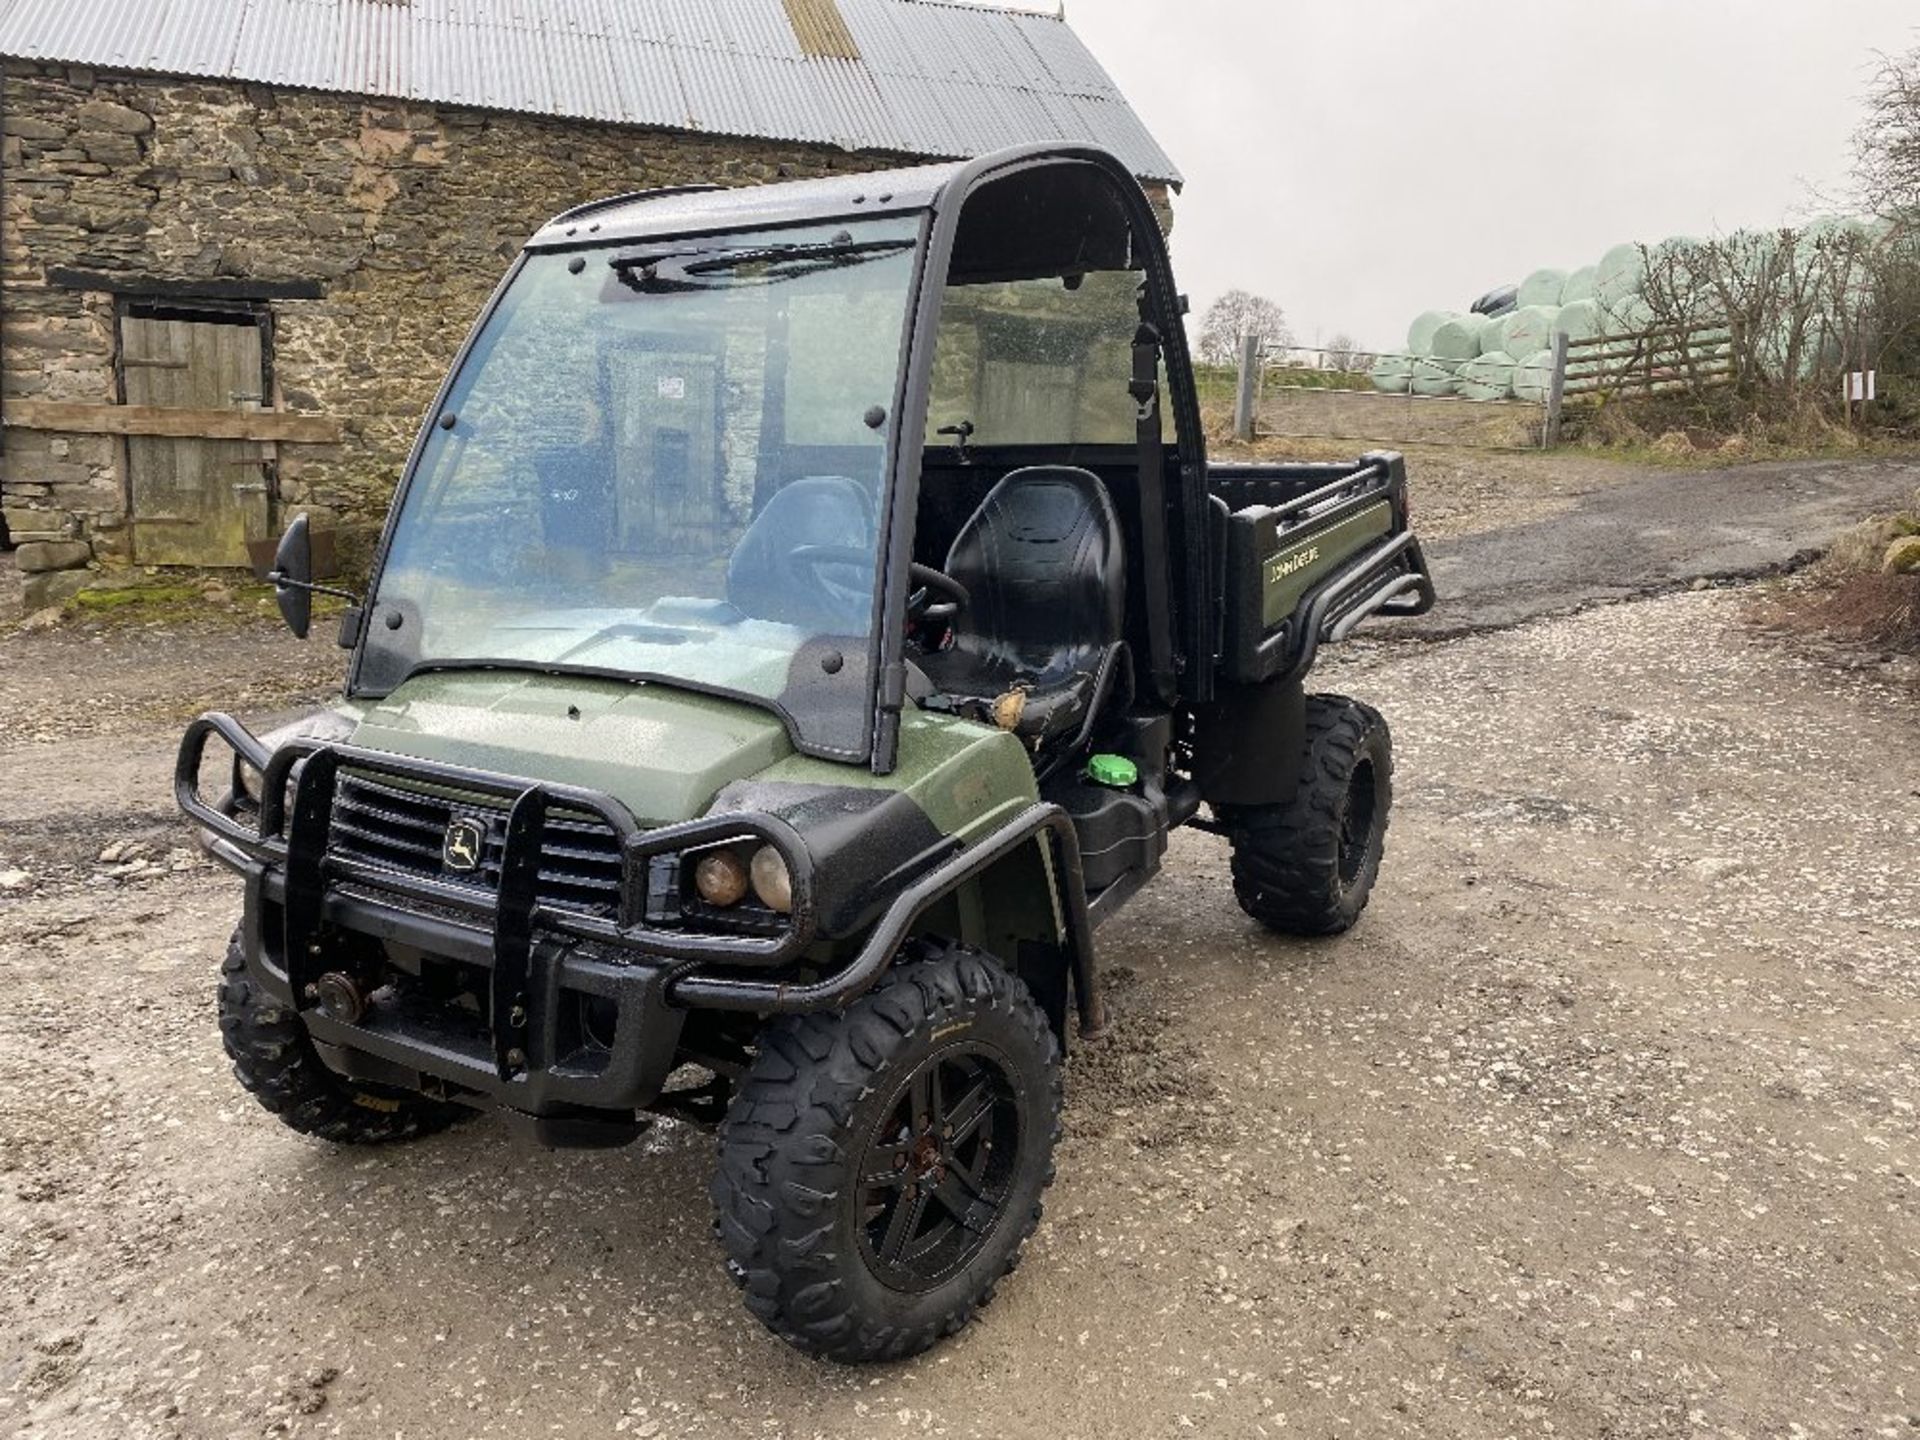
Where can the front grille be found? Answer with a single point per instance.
(406, 831)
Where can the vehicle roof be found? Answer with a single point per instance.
(661, 213)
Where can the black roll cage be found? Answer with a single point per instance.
(1188, 538)
(1193, 608)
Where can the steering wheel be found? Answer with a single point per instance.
(813, 565)
(926, 582)
(817, 557)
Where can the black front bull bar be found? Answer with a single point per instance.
(692, 970)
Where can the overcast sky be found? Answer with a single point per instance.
(1363, 160)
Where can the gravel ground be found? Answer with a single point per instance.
(1602, 1122)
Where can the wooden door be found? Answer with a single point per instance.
(195, 501)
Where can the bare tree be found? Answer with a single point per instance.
(1886, 147)
(1344, 353)
(1238, 313)
(1886, 153)
(1781, 312)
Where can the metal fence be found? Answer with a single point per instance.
(1301, 393)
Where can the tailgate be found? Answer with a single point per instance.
(1311, 568)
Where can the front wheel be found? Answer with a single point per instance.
(881, 1167)
(1306, 867)
(276, 1063)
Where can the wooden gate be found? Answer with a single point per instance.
(195, 501)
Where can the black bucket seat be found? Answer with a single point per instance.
(1043, 561)
(770, 577)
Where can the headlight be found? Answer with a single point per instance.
(246, 782)
(772, 881)
(720, 878)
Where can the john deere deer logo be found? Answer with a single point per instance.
(461, 851)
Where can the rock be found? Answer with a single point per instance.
(120, 119)
(13, 879)
(1719, 867)
(41, 620)
(1903, 557)
(113, 852)
(24, 524)
(45, 555)
(27, 128)
(54, 589)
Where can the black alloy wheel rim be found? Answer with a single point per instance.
(1358, 823)
(938, 1169)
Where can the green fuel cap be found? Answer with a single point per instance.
(1114, 770)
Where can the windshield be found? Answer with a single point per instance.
(667, 460)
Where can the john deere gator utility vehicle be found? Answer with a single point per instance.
(805, 614)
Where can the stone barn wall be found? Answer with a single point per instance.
(375, 229)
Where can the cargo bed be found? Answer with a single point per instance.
(1310, 551)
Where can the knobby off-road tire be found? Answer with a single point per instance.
(1307, 867)
(839, 1205)
(275, 1062)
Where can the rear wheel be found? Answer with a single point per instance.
(1306, 867)
(276, 1063)
(881, 1167)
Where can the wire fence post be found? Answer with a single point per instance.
(1556, 391)
(1249, 382)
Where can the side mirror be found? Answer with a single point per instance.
(292, 578)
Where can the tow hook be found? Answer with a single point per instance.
(339, 997)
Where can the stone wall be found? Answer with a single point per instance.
(398, 217)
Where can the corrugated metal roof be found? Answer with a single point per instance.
(933, 78)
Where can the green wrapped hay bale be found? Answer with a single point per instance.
(1435, 377)
(1420, 333)
(1580, 320)
(1488, 378)
(1839, 230)
(1393, 375)
(1629, 316)
(1580, 285)
(1533, 377)
(1621, 275)
(1458, 338)
(1493, 336)
(1543, 287)
(1678, 248)
(1531, 328)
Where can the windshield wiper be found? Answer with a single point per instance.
(654, 272)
